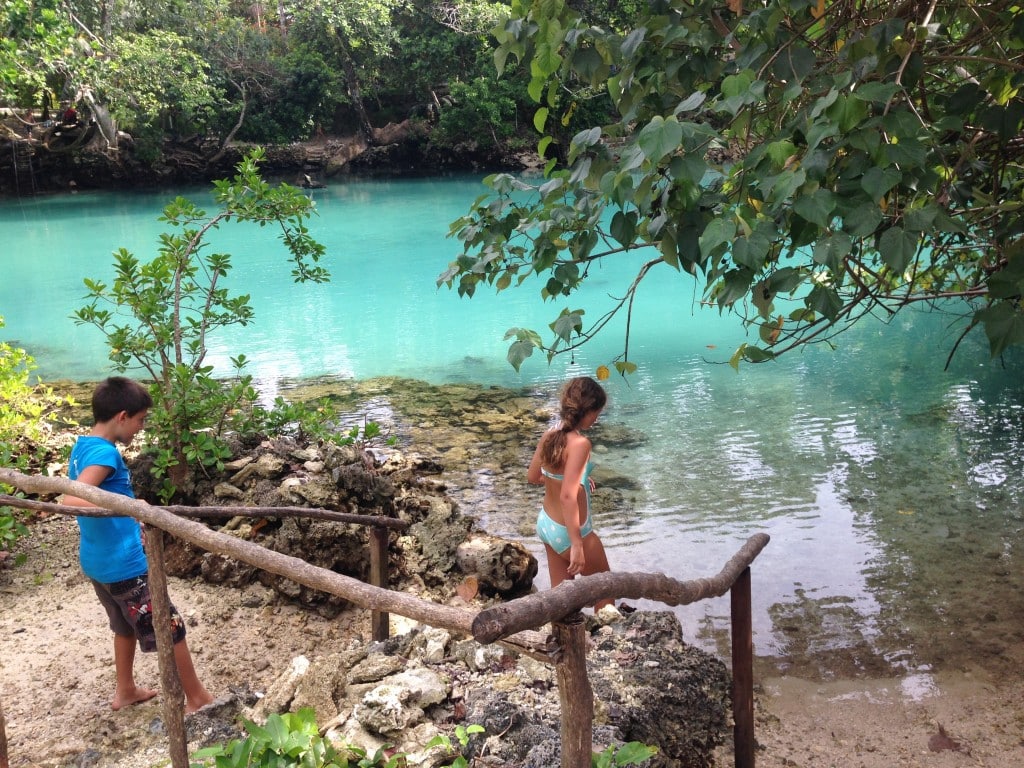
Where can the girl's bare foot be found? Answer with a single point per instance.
(135, 696)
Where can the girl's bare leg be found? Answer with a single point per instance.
(597, 562)
(126, 692)
(558, 567)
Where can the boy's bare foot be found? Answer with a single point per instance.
(200, 701)
(135, 696)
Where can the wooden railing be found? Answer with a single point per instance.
(512, 623)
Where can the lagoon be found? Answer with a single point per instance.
(892, 488)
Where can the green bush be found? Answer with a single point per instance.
(24, 428)
(291, 739)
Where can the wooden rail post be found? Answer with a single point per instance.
(574, 692)
(4, 760)
(173, 696)
(379, 620)
(742, 671)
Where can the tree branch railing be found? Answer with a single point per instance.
(511, 623)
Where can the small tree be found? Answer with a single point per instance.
(176, 300)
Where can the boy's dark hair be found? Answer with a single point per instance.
(117, 394)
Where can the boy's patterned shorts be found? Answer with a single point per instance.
(130, 611)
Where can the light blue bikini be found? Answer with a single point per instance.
(556, 535)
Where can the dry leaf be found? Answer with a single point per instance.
(468, 589)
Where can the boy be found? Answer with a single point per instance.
(111, 550)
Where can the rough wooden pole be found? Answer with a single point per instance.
(742, 671)
(4, 760)
(574, 692)
(379, 620)
(173, 696)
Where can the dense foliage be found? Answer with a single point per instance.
(812, 162)
(25, 409)
(262, 72)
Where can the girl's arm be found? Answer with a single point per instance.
(533, 474)
(577, 450)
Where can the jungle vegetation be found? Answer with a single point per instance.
(262, 72)
(809, 162)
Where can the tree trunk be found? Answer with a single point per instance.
(281, 19)
(356, 94)
(106, 124)
(231, 134)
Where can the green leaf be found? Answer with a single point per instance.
(875, 91)
(691, 102)
(1004, 325)
(546, 59)
(734, 286)
(824, 300)
(518, 351)
(717, 233)
(898, 247)
(1008, 282)
(862, 220)
(847, 112)
(668, 248)
(779, 152)
(632, 42)
(878, 181)
(623, 227)
(567, 323)
(757, 355)
(634, 753)
(832, 249)
(660, 137)
(540, 117)
(816, 208)
(751, 251)
(536, 88)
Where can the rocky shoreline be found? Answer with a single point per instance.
(41, 166)
(650, 686)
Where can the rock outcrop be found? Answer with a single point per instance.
(649, 686)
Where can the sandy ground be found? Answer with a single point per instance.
(56, 679)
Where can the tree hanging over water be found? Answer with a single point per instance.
(811, 162)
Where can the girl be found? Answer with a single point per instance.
(562, 465)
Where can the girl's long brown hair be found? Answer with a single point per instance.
(580, 396)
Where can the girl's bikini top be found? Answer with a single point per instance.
(583, 478)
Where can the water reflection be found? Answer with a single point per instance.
(891, 486)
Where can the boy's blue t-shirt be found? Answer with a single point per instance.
(110, 548)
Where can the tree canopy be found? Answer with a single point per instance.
(811, 161)
(271, 73)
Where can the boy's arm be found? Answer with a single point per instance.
(94, 474)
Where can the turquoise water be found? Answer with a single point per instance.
(892, 488)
